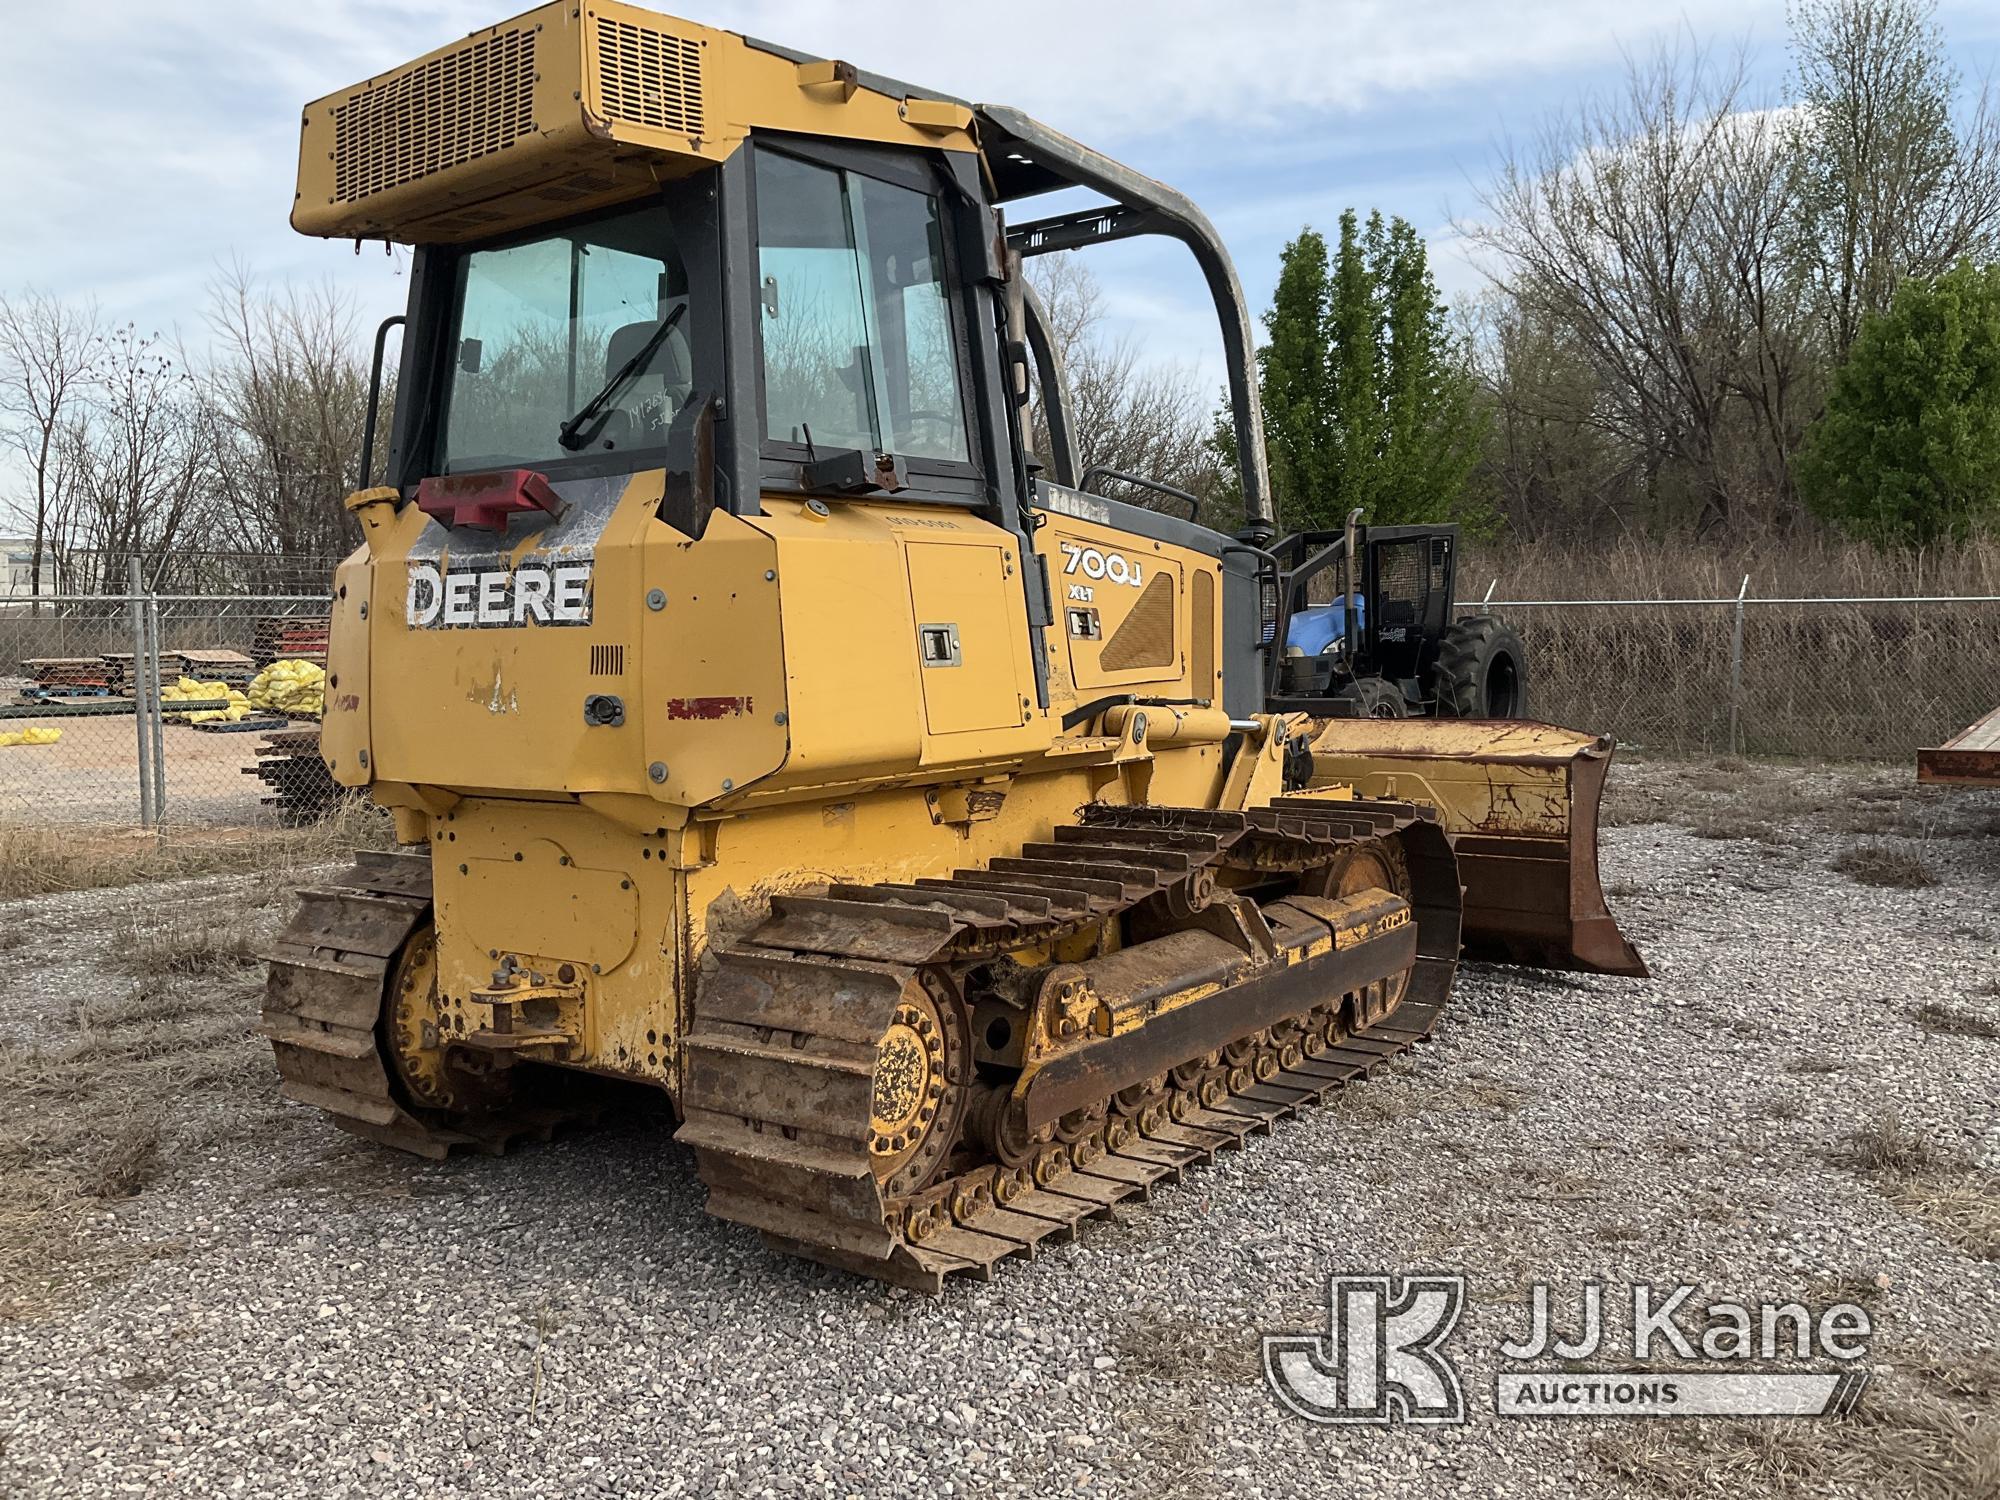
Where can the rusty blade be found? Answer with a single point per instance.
(1520, 801)
(1538, 901)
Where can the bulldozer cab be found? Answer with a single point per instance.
(829, 307)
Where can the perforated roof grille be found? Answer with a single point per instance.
(646, 76)
(453, 109)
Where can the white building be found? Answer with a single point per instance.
(17, 569)
(17, 559)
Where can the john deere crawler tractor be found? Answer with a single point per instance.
(763, 724)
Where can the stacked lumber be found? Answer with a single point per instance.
(299, 785)
(118, 670)
(294, 637)
(67, 677)
(232, 667)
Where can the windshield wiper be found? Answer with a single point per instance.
(570, 435)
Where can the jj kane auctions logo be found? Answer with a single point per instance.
(1382, 1357)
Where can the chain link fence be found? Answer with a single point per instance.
(1840, 679)
(155, 709)
(229, 736)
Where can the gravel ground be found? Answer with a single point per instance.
(281, 1310)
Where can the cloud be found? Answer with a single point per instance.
(142, 145)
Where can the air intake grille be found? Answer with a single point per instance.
(1146, 636)
(649, 77)
(453, 109)
(607, 661)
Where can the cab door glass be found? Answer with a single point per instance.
(859, 346)
(819, 380)
(925, 414)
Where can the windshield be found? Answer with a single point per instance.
(543, 324)
(858, 343)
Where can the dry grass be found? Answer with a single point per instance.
(1800, 567)
(44, 860)
(127, 1158)
(1884, 865)
(1502, 1098)
(1170, 1346)
(102, 1111)
(1877, 681)
(1926, 1431)
(1909, 1442)
(1974, 1374)
(176, 942)
(1934, 1184)
(1940, 1019)
(1886, 1145)
(1964, 1210)
(1846, 1286)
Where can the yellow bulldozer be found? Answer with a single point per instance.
(763, 723)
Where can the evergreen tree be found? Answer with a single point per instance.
(1296, 377)
(1908, 450)
(1368, 398)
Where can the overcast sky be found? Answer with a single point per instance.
(142, 145)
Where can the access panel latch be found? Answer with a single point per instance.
(483, 502)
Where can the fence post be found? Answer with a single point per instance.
(139, 695)
(1736, 671)
(158, 710)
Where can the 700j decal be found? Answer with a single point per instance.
(1094, 563)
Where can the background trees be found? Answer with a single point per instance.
(1908, 452)
(49, 356)
(1368, 398)
(1137, 416)
(1679, 271)
(128, 446)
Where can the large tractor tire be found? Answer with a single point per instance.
(1482, 670)
(1375, 698)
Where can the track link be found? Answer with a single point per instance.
(781, 1053)
(323, 1007)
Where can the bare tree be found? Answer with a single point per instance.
(286, 402)
(1771, 357)
(1135, 417)
(50, 353)
(137, 466)
(1891, 185)
(1647, 229)
(1549, 469)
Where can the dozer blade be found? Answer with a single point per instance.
(1520, 802)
